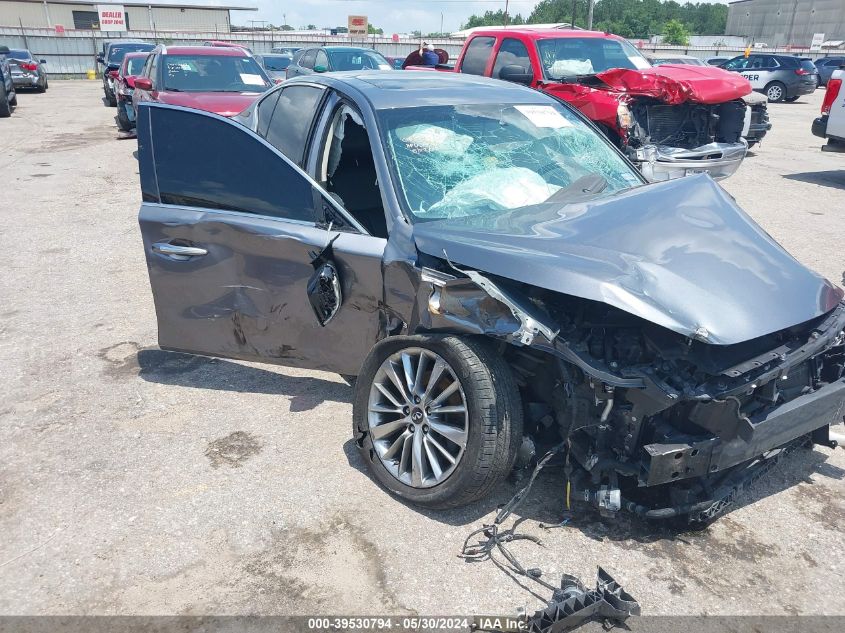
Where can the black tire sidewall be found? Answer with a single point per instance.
(450, 348)
(5, 106)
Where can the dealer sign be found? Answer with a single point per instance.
(112, 17)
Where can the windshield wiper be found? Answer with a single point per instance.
(583, 187)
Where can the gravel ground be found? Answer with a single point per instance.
(138, 482)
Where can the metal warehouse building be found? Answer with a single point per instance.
(161, 15)
(786, 22)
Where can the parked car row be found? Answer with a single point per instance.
(19, 69)
(495, 276)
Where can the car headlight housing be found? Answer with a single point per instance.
(623, 116)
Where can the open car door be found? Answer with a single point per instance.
(248, 258)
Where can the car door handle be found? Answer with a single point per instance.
(178, 251)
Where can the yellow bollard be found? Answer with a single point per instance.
(91, 74)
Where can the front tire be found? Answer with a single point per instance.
(123, 122)
(437, 419)
(775, 92)
(5, 107)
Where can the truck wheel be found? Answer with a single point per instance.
(775, 91)
(437, 419)
(5, 108)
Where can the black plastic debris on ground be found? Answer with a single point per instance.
(573, 604)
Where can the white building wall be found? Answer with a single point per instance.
(33, 15)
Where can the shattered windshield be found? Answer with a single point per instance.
(573, 56)
(468, 160)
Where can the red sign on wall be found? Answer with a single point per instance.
(112, 17)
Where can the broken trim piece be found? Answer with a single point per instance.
(530, 325)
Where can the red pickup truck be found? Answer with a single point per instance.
(670, 120)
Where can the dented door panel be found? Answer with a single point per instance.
(247, 298)
(234, 283)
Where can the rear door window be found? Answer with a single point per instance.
(292, 120)
(191, 170)
(265, 112)
(511, 53)
(477, 55)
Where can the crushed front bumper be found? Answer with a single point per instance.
(755, 436)
(660, 162)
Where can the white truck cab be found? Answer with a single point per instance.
(831, 124)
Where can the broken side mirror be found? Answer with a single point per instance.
(516, 74)
(324, 285)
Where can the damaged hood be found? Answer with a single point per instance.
(680, 254)
(677, 83)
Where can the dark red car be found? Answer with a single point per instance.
(124, 86)
(222, 80)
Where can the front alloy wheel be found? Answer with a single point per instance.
(437, 419)
(417, 417)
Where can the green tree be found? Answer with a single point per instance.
(493, 18)
(373, 30)
(674, 32)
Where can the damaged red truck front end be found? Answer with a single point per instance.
(670, 120)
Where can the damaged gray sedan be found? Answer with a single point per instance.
(497, 276)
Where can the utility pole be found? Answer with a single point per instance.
(505, 17)
(590, 5)
(574, 9)
(441, 24)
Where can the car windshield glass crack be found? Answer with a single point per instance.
(458, 161)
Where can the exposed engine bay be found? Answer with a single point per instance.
(655, 422)
(687, 125)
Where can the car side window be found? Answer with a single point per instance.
(511, 53)
(347, 170)
(265, 112)
(145, 71)
(738, 64)
(154, 70)
(322, 59)
(192, 170)
(477, 55)
(308, 58)
(292, 120)
(768, 62)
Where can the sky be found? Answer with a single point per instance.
(394, 16)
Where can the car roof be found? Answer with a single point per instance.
(121, 42)
(539, 34)
(347, 48)
(670, 55)
(386, 89)
(218, 51)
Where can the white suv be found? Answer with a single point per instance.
(831, 124)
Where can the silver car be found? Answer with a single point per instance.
(27, 71)
(779, 77)
(275, 65)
